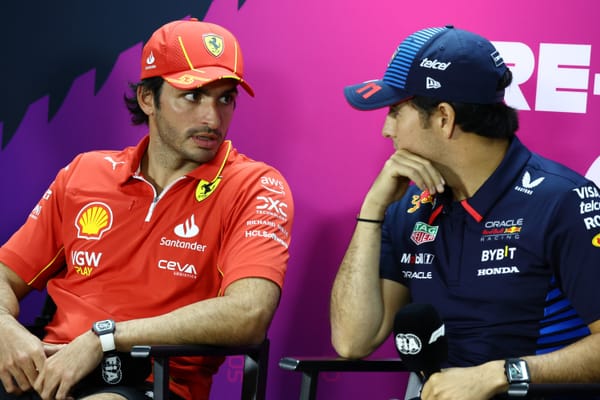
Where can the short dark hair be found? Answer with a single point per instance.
(497, 120)
(154, 84)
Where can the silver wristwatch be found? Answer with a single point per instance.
(105, 330)
(517, 374)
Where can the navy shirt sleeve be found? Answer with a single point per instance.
(574, 248)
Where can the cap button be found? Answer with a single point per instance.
(450, 26)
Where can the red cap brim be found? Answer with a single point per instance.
(193, 79)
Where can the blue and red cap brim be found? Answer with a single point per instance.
(374, 94)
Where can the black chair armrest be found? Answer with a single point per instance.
(310, 367)
(256, 359)
(574, 390)
(167, 350)
(324, 364)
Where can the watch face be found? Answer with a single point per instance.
(105, 326)
(517, 371)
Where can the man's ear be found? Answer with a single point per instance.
(145, 98)
(446, 118)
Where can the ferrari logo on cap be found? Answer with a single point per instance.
(214, 44)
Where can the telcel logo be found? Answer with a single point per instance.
(435, 64)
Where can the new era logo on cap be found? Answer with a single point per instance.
(432, 83)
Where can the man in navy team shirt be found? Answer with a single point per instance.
(505, 244)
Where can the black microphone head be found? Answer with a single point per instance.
(420, 338)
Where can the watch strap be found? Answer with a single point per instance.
(518, 389)
(105, 330)
(107, 341)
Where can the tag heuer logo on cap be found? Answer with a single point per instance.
(214, 44)
(423, 233)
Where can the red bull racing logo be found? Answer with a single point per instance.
(416, 201)
(502, 229)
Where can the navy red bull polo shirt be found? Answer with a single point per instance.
(513, 270)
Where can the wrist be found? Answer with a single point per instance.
(518, 377)
(496, 376)
(371, 212)
(360, 218)
(105, 330)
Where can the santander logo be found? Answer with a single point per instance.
(188, 229)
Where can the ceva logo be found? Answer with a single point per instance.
(179, 268)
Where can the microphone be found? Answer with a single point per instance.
(419, 336)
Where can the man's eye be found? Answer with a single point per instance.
(192, 96)
(227, 99)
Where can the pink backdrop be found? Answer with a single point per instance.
(299, 56)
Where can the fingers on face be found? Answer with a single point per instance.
(419, 170)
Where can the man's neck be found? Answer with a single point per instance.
(473, 165)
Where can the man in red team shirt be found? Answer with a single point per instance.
(180, 239)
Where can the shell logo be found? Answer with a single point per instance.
(93, 220)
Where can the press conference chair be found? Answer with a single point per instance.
(43, 318)
(311, 367)
(256, 358)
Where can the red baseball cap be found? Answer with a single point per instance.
(190, 53)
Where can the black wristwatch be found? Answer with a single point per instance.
(517, 374)
(105, 330)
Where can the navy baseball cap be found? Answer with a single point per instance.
(444, 63)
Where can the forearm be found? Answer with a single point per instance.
(577, 363)
(9, 302)
(241, 316)
(357, 308)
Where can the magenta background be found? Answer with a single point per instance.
(299, 55)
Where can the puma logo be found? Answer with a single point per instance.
(113, 162)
